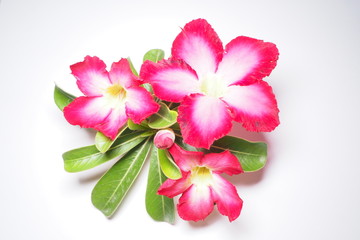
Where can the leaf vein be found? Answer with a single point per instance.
(126, 173)
(236, 151)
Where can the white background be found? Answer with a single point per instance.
(310, 186)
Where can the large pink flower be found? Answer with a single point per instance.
(201, 184)
(216, 85)
(110, 97)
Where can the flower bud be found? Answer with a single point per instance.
(164, 138)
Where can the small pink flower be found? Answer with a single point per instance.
(201, 184)
(111, 98)
(215, 85)
(164, 138)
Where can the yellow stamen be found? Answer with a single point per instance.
(201, 176)
(116, 90)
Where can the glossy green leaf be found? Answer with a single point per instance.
(172, 105)
(179, 141)
(103, 143)
(154, 55)
(164, 118)
(252, 155)
(167, 165)
(159, 207)
(134, 126)
(133, 70)
(62, 98)
(84, 158)
(116, 182)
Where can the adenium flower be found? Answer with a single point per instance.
(111, 98)
(215, 85)
(164, 138)
(201, 184)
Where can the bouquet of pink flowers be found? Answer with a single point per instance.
(176, 114)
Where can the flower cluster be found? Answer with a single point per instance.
(182, 108)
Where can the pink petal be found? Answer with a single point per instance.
(111, 126)
(92, 77)
(87, 111)
(254, 106)
(96, 113)
(172, 188)
(140, 104)
(247, 60)
(224, 162)
(121, 74)
(203, 119)
(199, 46)
(186, 160)
(196, 203)
(171, 79)
(164, 138)
(226, 197)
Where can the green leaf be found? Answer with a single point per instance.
(133, 70)
(179, 141)
(62, 98)
(148, 87)
(164, 118)
(88, 157)
(154, 55)
(167, 164)
(159, 207)
(103, 143)
(134, 126)
(252, 155)
(114, 185)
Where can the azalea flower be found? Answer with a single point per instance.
(111, 98)
(201, 184)
(215, 85)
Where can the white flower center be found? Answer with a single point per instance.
(115, 95)
(212, 85)
(201, 176)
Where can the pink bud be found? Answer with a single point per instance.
(164, 138)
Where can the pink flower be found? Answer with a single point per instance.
(201, 184)
(110, 97)
(164, 138)
(216, 85)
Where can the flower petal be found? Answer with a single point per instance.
(199, 46)
(196, 203)
(226, 197)
(171, 79)
(139, 104)
(247, 60)
(254, 106)
(121, 74)
(224, 162)
(87, 111)
(96, 113)
(172, 188)
(110, 127)
(92, 77)
(186, 160)
(203, 119)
